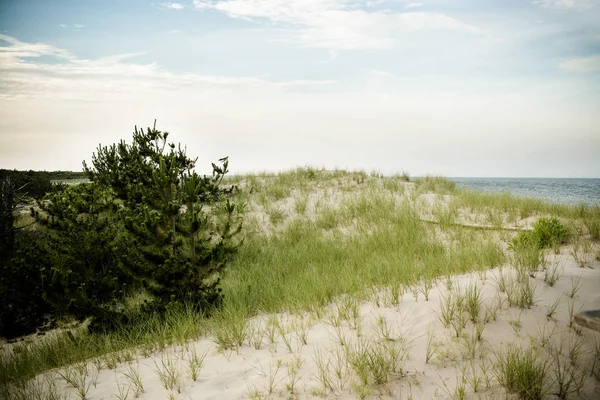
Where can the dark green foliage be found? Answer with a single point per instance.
(146, 221)
(183, 224)
(22, 304)
(65, 265)
(8, 206)
(65, 175)
(547, 232)
(22, 257)
(86, 244)
(30, 183)
(550, 231)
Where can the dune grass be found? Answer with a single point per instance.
(370, 239)
(24, 360)
(312, 236)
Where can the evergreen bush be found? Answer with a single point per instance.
(146, 221)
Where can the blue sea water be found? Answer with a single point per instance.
(560, 190)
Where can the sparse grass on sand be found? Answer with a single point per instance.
(358, 285)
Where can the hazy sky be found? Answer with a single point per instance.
(452, 87)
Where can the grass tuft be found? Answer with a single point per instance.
(522, 371)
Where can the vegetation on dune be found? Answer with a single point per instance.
(546, 232)
(183, 224)
(522, 371)
(436, 184)
(146, 222)
(142, 248)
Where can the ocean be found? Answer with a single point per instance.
(560, 190)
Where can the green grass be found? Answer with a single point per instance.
(345, 233)
(546, 232)
(147, 336)
(522, 371)
(312, 263)
(593, 225)
(522, 207)
(436, 184)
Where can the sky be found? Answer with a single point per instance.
(492, 88)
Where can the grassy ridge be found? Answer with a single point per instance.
(306, 265)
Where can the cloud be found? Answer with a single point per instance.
(10, 56)
(337, 23)
(567, 4)
(414, 5)
(332, 55)
(79, 79)
(74, 26)
(173, 6)
(374, 3)
(582, 64)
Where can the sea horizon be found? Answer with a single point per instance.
(561, 190)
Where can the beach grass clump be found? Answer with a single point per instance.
(527, 261)
(376, 364)
(569, 379)
(582, 252)
(436, 184)
(550, 231)
(547, 232)
(521, 293)
(403, 176)
(553, 273)
(195, 363)
(522, 371)
(168, 372)
(591, 220)
(472, 301)
(231, 328)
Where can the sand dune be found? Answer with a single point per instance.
(317, 354)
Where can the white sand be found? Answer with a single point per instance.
(265, 373)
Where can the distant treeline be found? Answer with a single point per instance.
(51, 175)
(37, 183)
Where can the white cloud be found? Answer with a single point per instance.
(74, 26)
(414, 5)
(10, 55)
(173, 6)
(374, 3)
(77, 79)
(582, 64)
(433, 125)
(567, 4)
(337, 23)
